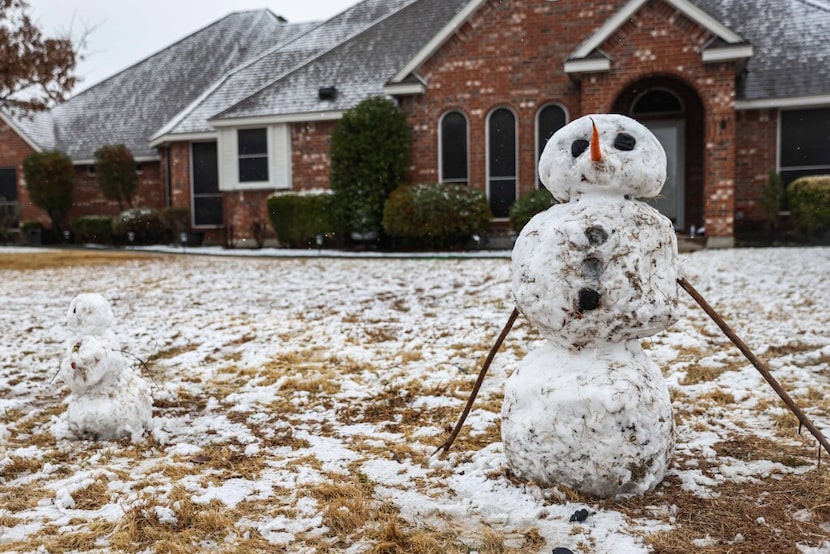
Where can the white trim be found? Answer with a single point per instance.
(305, 117)
(404, 89)
(14, 127)
(139, 159)
(624, 14)
(594, 65)
(815, 101)
(728, 53)
(183, 137)
(437, 40)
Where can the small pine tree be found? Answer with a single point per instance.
(773, 198)
(369, 159)
(49, 181)
(115, 173)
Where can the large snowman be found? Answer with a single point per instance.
(109, 399)
(594, 274)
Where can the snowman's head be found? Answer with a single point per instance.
(89, 313)
(603, 153)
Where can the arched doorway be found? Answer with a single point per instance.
(674, 113)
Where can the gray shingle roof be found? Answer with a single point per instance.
(282, 59)
(130, 106)
(789, 37)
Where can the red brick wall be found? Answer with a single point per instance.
(88, 200)
(13, 150)
(310, 159)
(244, 212)
(756, 137)
(179, 167)
(511, 54)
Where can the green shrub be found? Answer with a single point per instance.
(140, 226)
(529, 205)
(436, 216)
(298, 219)
(93, 228)
(369, 159)
(49, 180)
(115, 174)
(809, 200)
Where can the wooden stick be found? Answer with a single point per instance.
(507, 326)
(760, 366)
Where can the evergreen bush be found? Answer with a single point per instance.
(115, 174)
(140, 226)
(369, 159)
(298, 219)
(93, 228)
(529, 205)
(436, 215)
(49, 181)
(809, 201)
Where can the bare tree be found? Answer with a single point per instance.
(35, 71)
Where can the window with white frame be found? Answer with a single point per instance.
(501, 161)
(454, 148)
(253, 154)
(549, 119)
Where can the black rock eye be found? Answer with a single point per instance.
(624, 142)
(578, 147)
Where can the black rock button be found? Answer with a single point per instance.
(588, 300)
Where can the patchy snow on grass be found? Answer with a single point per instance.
(298, 401)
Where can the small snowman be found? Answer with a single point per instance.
(109, 400)
(595, 273)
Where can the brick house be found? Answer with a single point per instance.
(245, 106)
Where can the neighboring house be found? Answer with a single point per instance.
(246, 106)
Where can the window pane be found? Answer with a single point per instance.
(657, 101)
(207, 210)
(551, 119)
(205, 168)
(805, 137)
(502, 143)
(502, 196)
(253, 169)
(8, 184)
(252, 141)
(454, 147)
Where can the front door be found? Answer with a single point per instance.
(670, 203)
(206, 199)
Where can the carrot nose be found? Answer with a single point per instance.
(596, 153)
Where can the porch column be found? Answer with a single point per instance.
(719, 186)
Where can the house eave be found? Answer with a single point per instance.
(590, 65)
(19, 132)
(137, 159)
(181, 137)
(301, 117)
(727, 54)
(813, 101)
(404, 89)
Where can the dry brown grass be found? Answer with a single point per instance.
(51, 258)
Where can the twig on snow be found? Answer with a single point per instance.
(507, 326)
(759, 365)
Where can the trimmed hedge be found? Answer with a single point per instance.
(143, 225)
(436, 215)
(809, 201)
(93, 228)
(298, 219)
(529, 205)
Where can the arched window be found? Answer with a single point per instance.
(501, 161)
(550, 119)
(657, 101)
(453, 148)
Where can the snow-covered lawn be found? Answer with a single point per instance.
(298, 401)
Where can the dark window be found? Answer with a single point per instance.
(253, 155)
(805, 143)
(8, 184)
(501, 143)
(454, 148)
(207, 200)
(549, 120)
(657, 101)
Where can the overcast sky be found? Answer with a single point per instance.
(126, 31)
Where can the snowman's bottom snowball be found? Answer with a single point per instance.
(121, 411)
(597, 420)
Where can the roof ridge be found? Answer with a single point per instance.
(184, 112)
(816, 4)
(320, 54)
(164, 49)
